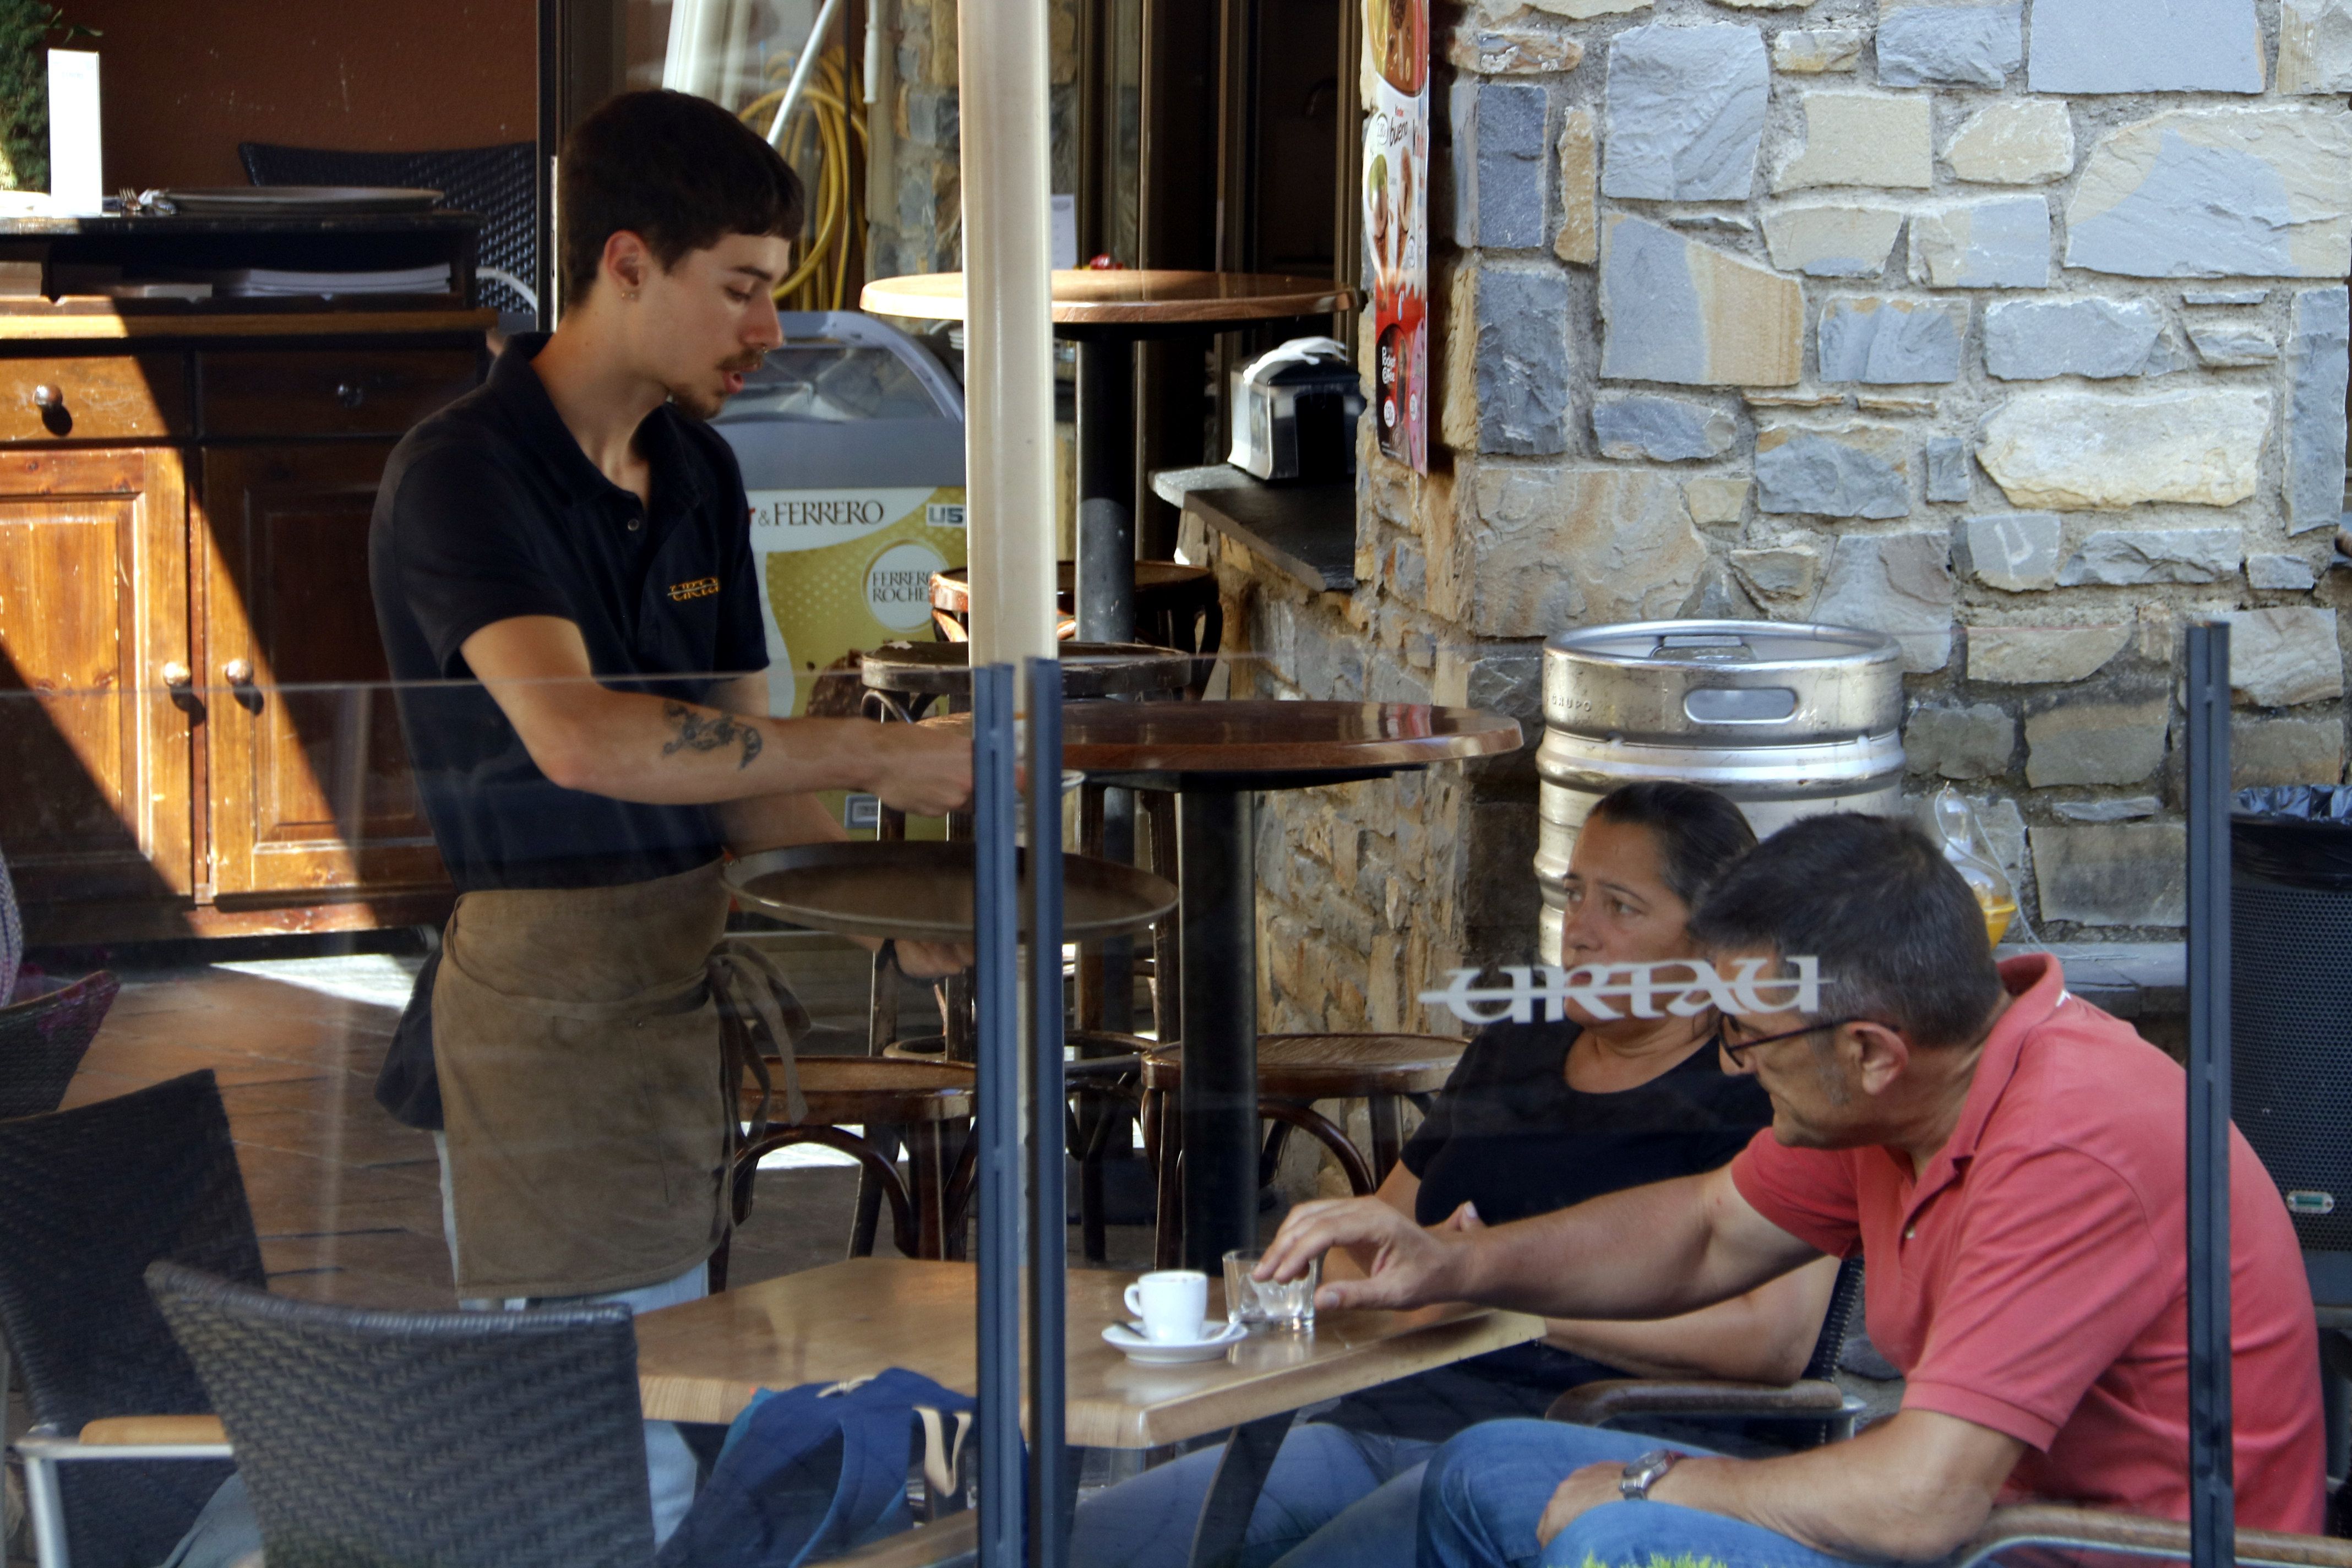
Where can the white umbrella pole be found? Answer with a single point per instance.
(1008, 329)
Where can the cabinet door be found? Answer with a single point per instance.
(95, 793)
(309, 782)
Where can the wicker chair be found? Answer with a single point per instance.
(1817, 1410)
(43, 1036)
(424, 1439)
(495, 181)
(88, 1198)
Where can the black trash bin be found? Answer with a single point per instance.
(2291, 1011)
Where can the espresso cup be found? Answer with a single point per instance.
(1173, 1303)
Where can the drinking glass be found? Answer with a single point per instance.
(1276, 1305)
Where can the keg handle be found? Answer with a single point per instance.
(1740, 705)
(1709, 647)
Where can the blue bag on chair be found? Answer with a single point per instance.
(811, 1472)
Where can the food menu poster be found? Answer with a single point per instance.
(1396, 223)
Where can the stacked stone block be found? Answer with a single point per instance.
(2017, 329)
(915, 221)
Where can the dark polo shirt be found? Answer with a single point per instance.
(489, 510)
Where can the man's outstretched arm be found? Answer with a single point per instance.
(1646, 1252)
(1913, 1489)
(638, 747)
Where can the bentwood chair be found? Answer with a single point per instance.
(1294, 1071)
(1815, 1409)
(389, 1439)
(88, 1198)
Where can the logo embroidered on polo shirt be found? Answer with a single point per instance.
(700, 588)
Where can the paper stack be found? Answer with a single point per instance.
(273, 281)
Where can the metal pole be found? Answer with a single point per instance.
(1003, 88)
(1106, 438)
(996, 916)
(2212, 1503)
(1217, 842)
(809, 51)
(1106, 591)
(1052, 1480)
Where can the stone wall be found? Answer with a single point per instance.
(2014, 328)
(915, 192)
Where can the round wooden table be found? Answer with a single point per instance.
(1106, 315)
(1215, 757)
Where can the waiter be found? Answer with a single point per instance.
(562, 569)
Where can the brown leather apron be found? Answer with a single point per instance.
(587, 1085)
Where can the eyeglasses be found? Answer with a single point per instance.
(1734, 1051)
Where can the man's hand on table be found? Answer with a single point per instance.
(1410, 1267)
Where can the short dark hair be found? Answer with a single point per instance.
(1699, 832)
(1900, 937)
(678, 170)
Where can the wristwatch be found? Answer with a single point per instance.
(1640, 1475)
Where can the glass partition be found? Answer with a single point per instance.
(252, 882)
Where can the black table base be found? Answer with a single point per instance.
(1216, 842)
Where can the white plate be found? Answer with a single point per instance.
(1129, 1341)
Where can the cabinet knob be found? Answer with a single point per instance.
(178, 676)
(47, 397)
(237, 672)
(350, 394)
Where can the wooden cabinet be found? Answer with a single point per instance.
(196, 736)
(94, 805)
(309, 789)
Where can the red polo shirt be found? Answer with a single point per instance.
(2035, 1278)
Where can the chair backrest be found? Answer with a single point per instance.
(43, 1038)
(1846, 1301)
(495, 181)
(88, 1198)
(11, 936)
(425, 1439)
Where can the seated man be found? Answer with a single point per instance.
(2011, 1162)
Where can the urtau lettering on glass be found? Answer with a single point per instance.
(1679, 988)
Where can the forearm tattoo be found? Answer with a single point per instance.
(698, 732)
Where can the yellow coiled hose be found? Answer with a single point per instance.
(821, 122)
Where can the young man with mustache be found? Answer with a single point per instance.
(562, 570)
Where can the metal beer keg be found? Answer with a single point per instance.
(1787, 721)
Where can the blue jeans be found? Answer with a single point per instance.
(1332, 1497)
(1486, 1490)
(672, 1472)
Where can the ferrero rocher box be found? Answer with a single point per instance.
(850, 439)
(848, 570)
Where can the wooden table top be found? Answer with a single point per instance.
(1138, 297)
(924, 891)
(1255, 735)
(704, 1360)
(1244, 736)
(1088, 668)
(1335, 1067)
(1158, 584)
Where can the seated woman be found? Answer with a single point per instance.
(1535, 1118)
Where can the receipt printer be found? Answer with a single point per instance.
(1295, 412)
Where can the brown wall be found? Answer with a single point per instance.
(184, 81)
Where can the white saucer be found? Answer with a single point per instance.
(1128, 1339)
